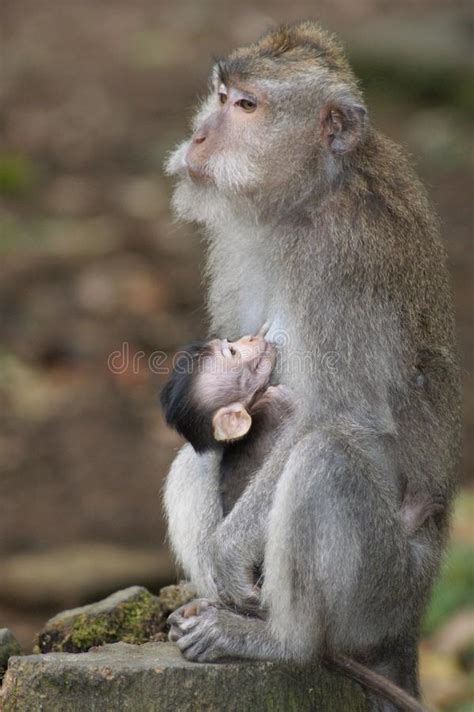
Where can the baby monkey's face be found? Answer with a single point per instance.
(235, 371)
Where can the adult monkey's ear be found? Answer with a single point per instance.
(343, 123)
(231, 422)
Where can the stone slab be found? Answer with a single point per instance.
(154, 677)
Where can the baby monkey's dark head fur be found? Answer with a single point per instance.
(216, 387)
(181, 409)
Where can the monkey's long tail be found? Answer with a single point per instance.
(375, 682)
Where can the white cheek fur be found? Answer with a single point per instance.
(176, 161)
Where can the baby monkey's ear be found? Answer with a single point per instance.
(231, 422)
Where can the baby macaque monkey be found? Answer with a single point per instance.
(219, 397)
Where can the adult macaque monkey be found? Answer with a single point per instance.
(317, 223)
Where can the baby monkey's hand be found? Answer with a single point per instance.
(280, 391)
(276, 400)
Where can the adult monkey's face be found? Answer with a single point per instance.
(278, 112)
(225, 149)
(231, 121)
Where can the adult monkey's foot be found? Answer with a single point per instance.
(206, 632)
(188, 610)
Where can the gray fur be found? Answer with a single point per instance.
(340, 251)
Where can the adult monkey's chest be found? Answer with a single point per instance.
(244, 291)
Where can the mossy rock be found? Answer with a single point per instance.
(8, 646)
(172, 597)
(132, 615)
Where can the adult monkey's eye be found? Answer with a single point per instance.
(247, 105)
(222, 97)
(232, 350)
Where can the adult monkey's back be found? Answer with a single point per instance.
(317, 223)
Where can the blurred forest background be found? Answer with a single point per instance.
(92, 96)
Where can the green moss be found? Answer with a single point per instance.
(135, 621)
(87, 632)
(132, 621)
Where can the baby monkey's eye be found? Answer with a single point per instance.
(247, 105)
(222, 97)
(227, 350)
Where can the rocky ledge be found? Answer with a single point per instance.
(110, 656)
(154, 677)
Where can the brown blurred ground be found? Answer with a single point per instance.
(92, 95)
